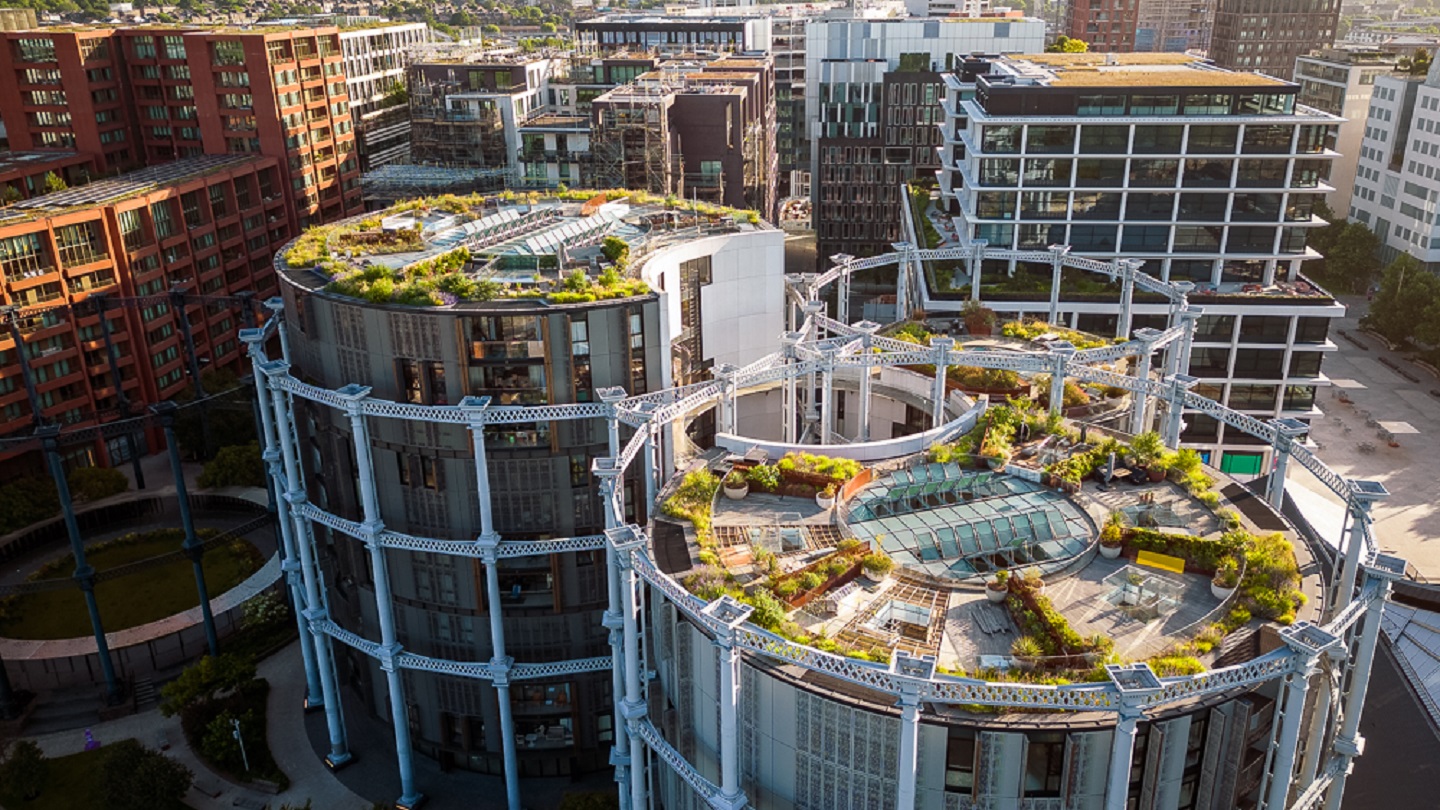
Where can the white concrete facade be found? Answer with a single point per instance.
(1340, 83)
(1397, 182)
(375, 62)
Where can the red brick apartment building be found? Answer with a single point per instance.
(139, 96)
(208, 224)
(226, 143)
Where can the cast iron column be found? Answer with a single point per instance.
(192, 546)
(373, 526)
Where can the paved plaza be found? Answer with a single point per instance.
(1408, 522)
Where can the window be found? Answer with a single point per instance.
(1101, 173)
(228, 52)
(1146, 238)
(1210, 362)
(80, 243)
(1098, 139)
(1305, 364)
(1197, 239)
(1259, 364)
(1257, 208)
(1047, 172)
(1252, 398)
(1207, 172)
(1004, 140)
(960, 762)
(1298, 397)
(1043, 205)
(160, 213)
(1097, 238)
(1212, 140)
(23, 257)
(636, 332)
(999, 172)
(1200, 271)
(1203, 207)
(1271, 139)
(1154, 173)
(997, 204)
(1158, 140)
(1150, 206)
(1251, 240)
(1096, 205)
(1100, 105)
(1261, 174)
(1154, 105)
(1312, 330)
(1208, 104)
(35, 50)
(1050, 139)
(1264, 329)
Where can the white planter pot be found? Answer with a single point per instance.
(1110, 552)
(736, 493)
(1221, 593)
(994, 595)
(824, 502)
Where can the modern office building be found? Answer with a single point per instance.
(1217, 192)
(1175, 26)
(1267, 36)
(648, 33)
(138, 96)
(376, 57)
(454, 563)
(873, 95)
(712, 299)
(1340, 81)
(206, 225)
(1108, 26)
(1397, 182)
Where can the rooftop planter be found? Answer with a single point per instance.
(799, 588)
(338, 251)
(1056, 642)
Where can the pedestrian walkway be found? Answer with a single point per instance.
(289, 744)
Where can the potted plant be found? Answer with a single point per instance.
(1147, 450)
(735, 486)
(1226, 579)
(825, 498)
(877, 565)
(1112, 537)
(998, 586)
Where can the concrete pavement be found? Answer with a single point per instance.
(1408, 522)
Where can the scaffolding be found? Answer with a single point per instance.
(632, 143)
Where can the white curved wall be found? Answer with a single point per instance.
(743, 308)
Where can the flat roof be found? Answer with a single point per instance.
(114, 189)
(1131, 76)
(11, 161)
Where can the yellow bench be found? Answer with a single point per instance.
(1164, 562)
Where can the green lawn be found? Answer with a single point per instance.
(131, 600)
(72, 782)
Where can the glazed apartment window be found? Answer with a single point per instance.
(35, 50)
(80, 244)
(23, 257)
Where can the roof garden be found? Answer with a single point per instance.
(1019, 551)
(562, 248)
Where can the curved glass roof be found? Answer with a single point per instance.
(952, 522)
